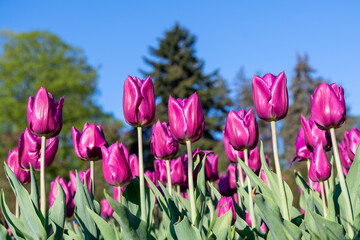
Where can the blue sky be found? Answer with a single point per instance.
(260, 36)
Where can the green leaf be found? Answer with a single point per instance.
(34, 189)
(4, 234)
(222, 225)
(106, 230)
(57, 212)
(184, 230)
(160, 198)
(31, 218)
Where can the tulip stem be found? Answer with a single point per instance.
(17, 208)
(241, 178)
(211, 191)
(350, 217)
(251, 204)
(308, 167)
(191, 181)
(323, 198)
(119, 194)
(141, 174)
(278, 173)
(42, 177)
(92, 177)
(169, 184)
(179, 192)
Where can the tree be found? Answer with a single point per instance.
(177, 71)
(37, 58)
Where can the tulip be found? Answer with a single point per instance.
(242, 130)
(345, 171)
(106, 210)
(231, 153)
(116, 192)
(314, 135)
(186, 118)
(328, 106)
(316, 186)
(88, 144)
(177, 171)
(152, 176)
(163, 145)
(68, 198)
(352, 139)
(44, 114)
(320, 168)
(211, 167)
(139, 101)
(224, 186)
(270, 96)
(30, 150)
(346, 161)
(134, 165)
(13, 163)
(116, 166)
(302, 152)
(201, 153)
(254, 160)
(160, 170)
(225, 205)
(232, 176)
(82, 175)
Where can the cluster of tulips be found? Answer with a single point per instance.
(194, 200)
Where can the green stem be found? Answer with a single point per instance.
(141, 175)
(42, 177)
(345, 193)
(179, 192)
(308, 167)
(169, 184)
(17, 208)
(191, 182)
(241, 179)
(323, 198)
(278, 173)
(211, 191)
(251, 204)
(92, 177)
(119, 194)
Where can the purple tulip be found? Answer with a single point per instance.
(242, 130)
(231, 153)
(316, 186)
(177, 171)
(134, 165)
(13, 163)
(302, 152)
(106, 210)
(30, 150)
(224, 205)
(270, 96)
(320, 168)
(44, 114)
(314, 135)
(224, 187)
(116, 167)
(152, 176)
(352, 140)
(139, 101)
(186, 118)
(160, 171)
(346, 161)
(163, 145)
(211, 167)
(87, 145)
(232, 176)
(82, 175)
(201, 153)
(254, 160)
(328, 106)
(68, 198)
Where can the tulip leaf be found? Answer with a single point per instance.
(83, 200)
(30, 216)
(34, 189)
(160, 198)
(133, 227)
(4, 234)
(215, 191)
(353, 183)
(309, 198)
(184, 230)
(200, 193)
(222, 225)
(106, 230)
(57, 212)
(185, 204)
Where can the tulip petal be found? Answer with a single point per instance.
(146, 112)
(177, 120)
(131, 101)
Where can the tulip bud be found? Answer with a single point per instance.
(160, 171)
(224, 205)
(68, 199)
(314, 135)
(177, 171)
(224, 186)
(346, 161)
(134, 165)
(302, 152)
(87, 145)
(82, 175)
(320, 168)
(186, 118)
(163, 145)
(242, 130)
(139, 101)
(211, 167)
(13, 163)
(352, 140)
(231, 153)
(44, 114)
(254, 160)
(270, 96)
(328, 106)
(106, 210)
(30, 150)
(116, 166)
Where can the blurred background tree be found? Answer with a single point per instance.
(39, 58)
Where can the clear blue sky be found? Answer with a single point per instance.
(257, 35)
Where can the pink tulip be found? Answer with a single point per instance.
(160, 171)
(13, 163)
(134, 165)
(163, 145)
(231, 153)
(302, 152)
(320, 168)
(68, 198)
(211, 167)
(152, 176)
(346, 161)
(314, 135)
(177, 171)
(224, 205)
(352, 140)
(82, 175)
(106, 210)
